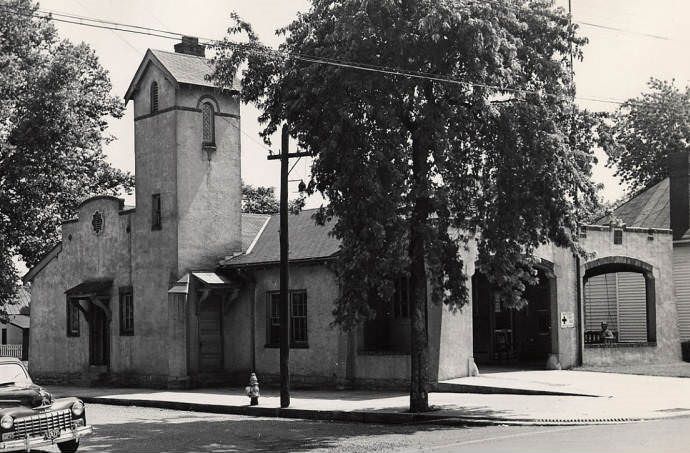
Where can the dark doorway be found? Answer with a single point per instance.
(99, 335)
(210, 334)
(506, 336)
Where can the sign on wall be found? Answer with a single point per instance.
(567, 319)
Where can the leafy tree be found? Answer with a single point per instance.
(645, 130)
(54, 104)
(259, 200)
(416, 168)
(263, 200)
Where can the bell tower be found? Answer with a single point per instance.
(187, 160)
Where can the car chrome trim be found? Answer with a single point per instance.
(30, 443)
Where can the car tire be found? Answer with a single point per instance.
(69, 447)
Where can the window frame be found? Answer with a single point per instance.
(156, 212)
(126, 299)
(612, 265)
(73, 318)
(303, 319)
(208, 106)
(153, 97)
(617, 236)
(273, 320)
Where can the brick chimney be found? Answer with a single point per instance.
(679, 192)
(190, 46)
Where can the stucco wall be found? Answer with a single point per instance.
(209, 182)
(454, 336)
(154, 252)
(324, 360)
(237, 338)
(659, 254)
(84, 256)
(564, 339)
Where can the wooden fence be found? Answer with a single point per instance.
(11, 350)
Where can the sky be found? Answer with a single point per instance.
(652, 40)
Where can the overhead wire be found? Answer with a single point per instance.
(519, 8)
(117, 26)
(119, 36)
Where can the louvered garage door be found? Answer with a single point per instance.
(600, 302)
(632, 307)
(681, 281)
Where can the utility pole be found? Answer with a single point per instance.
(284, 156)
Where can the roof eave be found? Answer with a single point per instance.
(231, 265)
(149, 57)
(47, 258)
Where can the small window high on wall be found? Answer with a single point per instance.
(154, 97)
(208, 124)
(156, 212)
(615, 306)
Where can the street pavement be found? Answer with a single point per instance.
(616, 397)
(135, 429)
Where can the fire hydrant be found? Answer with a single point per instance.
(253, 390)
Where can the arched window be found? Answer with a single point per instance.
(154, 97)
(619, 301)
(208, 124)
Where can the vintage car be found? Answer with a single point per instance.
(31, 418)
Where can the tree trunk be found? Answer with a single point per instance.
(419, 351)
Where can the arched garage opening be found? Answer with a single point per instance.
(505, 336)
(619, 301)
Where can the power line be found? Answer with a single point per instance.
(624, 30)
(519, 8)
(121, 38)
(419, 75)
(483, 3)
(108, 25)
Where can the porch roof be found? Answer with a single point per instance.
(90, 287)
(209, 279)
(21, 321)
(212, 279)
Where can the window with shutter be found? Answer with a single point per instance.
(208, 124)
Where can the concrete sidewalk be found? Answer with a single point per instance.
(619, 398)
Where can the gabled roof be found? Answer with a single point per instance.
(22, 299)
(308, 241)
(251, 227)
(21, 321)
(180, 67)
(47, 258)
(649, 208)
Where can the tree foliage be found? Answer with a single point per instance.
(55, 101)
(259, 200)
(645, 130)
(414, 169)
(263, 200)
(500, 160)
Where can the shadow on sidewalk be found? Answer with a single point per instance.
(194, 432)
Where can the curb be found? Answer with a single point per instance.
(386, 418)
(492, 390)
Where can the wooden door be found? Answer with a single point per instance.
(534, 323)
(210, 335)
(99, 347)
